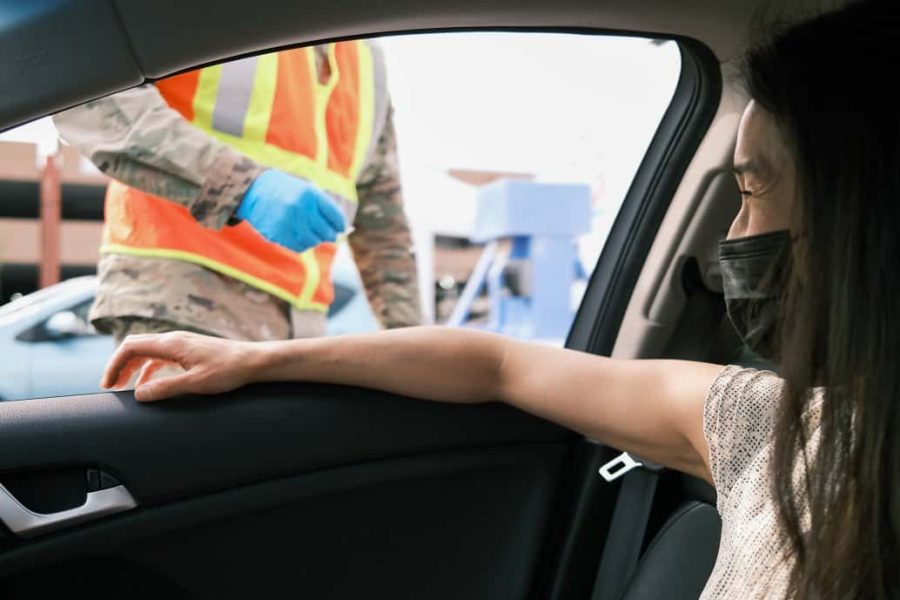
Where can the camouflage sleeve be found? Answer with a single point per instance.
(136, 138)
(381, 242)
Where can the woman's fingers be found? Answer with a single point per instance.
(134, 365)
(133, 352)
(164, 387)
(152, 367)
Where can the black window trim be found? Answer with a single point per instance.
(572, 552)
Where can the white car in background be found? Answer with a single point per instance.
(48, 347)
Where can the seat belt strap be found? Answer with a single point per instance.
(629, 524)
(691, 340)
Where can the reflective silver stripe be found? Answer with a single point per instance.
(382, 101)
(233, 97)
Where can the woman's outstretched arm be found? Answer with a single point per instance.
(653, 408)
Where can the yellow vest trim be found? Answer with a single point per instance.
(295, 164)
(313, 276)
(304, 302)
(323, 95)
(366, 106)
(259, 111)
(256, 123)
(205, 97)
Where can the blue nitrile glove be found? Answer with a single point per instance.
(290, 211)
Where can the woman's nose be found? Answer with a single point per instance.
(741, 222)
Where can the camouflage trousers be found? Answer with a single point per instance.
(122, 327)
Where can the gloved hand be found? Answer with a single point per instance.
(290, 211)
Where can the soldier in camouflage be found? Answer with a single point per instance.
(136, 138)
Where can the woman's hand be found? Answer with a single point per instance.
(209, 365)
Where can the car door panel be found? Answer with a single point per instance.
(196, 445)
(322, 491)
(467, 524)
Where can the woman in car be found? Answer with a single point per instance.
(806, 465)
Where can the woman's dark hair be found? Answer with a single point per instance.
(828, 83)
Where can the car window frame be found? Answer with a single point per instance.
(576, 545)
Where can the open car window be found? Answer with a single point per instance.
(510, 156)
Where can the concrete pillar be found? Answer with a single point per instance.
(51, 216)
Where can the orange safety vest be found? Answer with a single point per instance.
(273, 109)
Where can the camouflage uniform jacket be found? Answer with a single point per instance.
(136, 138)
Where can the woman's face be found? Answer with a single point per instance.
(765, 175)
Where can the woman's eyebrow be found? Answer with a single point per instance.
(751, 167)
(757, 167)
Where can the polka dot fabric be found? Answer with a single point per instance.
(738, 422)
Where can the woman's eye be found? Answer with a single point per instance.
(746, 193)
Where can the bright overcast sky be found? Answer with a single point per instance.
(561, 106)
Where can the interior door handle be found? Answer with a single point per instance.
(26, 523)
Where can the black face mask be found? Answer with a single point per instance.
(753, 278)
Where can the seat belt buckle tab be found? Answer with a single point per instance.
(618, 466)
